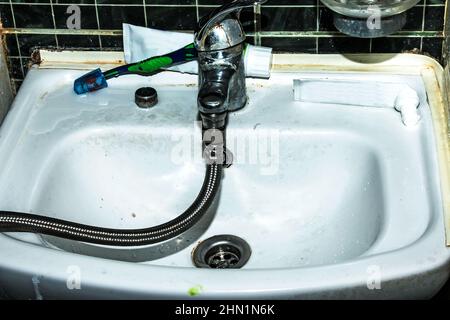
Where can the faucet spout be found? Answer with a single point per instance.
(219, 41)
(213, 94)
(221, 80)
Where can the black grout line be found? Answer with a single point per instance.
(257, 11)
(423, 23)
(145, 13)
(17, 38)
(54, 23)
(196, 10)
(255, 23)
(317, 24)
(271, 34)
(446, 44)
(98, 24)
(185, 5)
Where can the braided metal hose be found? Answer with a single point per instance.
(24, 222)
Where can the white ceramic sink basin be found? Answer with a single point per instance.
(335, 201)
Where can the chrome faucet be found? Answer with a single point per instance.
(219, 40)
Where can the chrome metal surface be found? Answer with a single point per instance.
(364, 28)
(146, 97)
(219, 40)
(222, 81)
(221, 29)
(368, 8)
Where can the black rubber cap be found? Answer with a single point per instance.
(146, 97)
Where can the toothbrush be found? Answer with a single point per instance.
(96, 79)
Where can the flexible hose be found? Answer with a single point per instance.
(24, 222)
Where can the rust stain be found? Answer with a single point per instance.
(99, 62)
(80, 50)
(42, 97)
(94, 63)
(36, 56)
(4, 49)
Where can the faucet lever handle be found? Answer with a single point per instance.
(208, 22)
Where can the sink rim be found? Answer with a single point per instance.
(302, 282)
(175, 281)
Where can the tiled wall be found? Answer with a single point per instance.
(285, 25)
(446, 44)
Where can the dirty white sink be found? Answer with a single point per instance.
(335, 200)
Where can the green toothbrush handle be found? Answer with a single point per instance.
(151, 65)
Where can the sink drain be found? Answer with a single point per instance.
(221, 252)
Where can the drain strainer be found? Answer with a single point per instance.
(221, 252)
